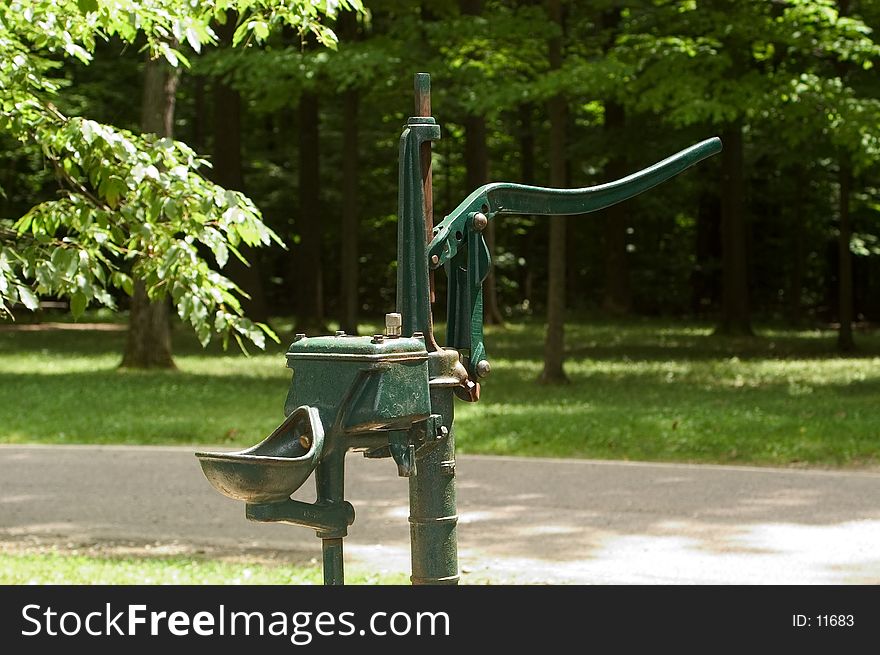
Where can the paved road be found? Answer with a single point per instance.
(522, 520)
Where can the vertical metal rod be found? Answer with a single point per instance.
(330, 484)
(433, 516)
(334, 567)
(423, 108)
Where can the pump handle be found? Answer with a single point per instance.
(458, 242)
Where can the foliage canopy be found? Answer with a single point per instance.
(128, 204)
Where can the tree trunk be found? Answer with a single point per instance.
(707, 242)
(200, 113)
(476, 161)
(795, 296)
(617, 297)
(527, 176)
(348, 292)
(617, 294)
(160, 96)
(307, 254)
(845, 342)
(148, 344)
(228, 173)
(350, 179)
(554, 344)
(734, 272)
(476, 158)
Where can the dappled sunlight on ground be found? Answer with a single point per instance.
(763, 553)
(521, 520)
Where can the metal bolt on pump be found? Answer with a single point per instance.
(393, 325)
(392, 394)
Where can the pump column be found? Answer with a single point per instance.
(433, 517)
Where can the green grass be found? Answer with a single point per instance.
(659, 391)
(641, 390)
(60, 568)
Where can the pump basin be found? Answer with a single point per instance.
(273, 469)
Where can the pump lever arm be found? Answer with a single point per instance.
(509, 198)
(459, 245)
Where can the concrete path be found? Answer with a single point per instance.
(522, 520)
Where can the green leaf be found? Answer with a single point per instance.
(221, 253)
(170, 54)
(86, 6)
(78, 303)
(192, 37)
(45, 274)
(24, 223)
(261, 30)
(171, 209)
(88, 131)
(269, 332)
(240, 32)
(203, 333)
(113, 188)
(28, 297)
(71, 262)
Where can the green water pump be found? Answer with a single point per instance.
(391, 395)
